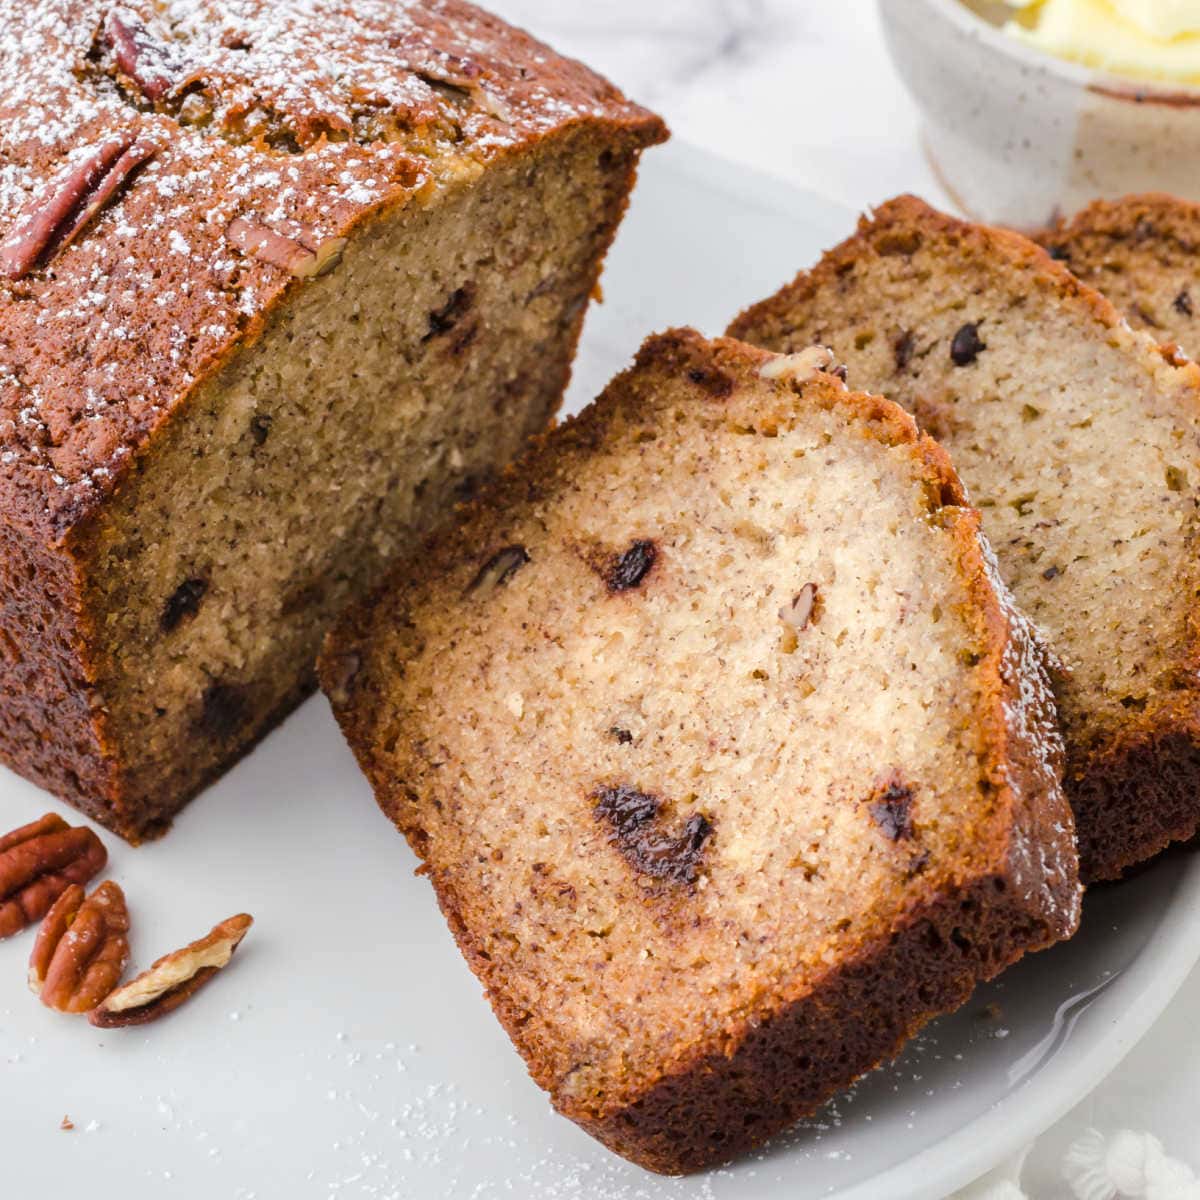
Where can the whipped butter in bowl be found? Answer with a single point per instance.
(1033, 108)
(1157, 41)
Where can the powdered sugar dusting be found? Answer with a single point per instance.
(313, 111)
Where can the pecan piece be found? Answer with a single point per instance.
(173, 979)
(499, 569)
(54, 217)
(38, 862)
(290, 245)
(81, 949)
(799, 613)
(151, 64)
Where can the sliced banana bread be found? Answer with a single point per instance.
(1141, 252)
(728, 759)
(280, 281)
(1080, 441)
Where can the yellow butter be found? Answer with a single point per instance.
(1154, 40)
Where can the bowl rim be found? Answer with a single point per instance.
(1109, 83)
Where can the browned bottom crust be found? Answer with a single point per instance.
(1136, 800)
(145, 824)
(787, 1067)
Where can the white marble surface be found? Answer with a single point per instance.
(804, 89)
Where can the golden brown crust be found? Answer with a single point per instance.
(894, 228)
(315, 121)
(1140, 218)
(784, 1068)
(1137, 792)
(721, 1093)
(159, 290)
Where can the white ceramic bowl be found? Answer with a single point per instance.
(1018, 136)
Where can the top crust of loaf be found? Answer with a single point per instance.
(1140, 251)
(326, 114)
(894, 228)
(1013, 869)
(1133, 780)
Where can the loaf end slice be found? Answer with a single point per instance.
(340, 283)
(1079, 440)
(1141, 252)
(727, 755)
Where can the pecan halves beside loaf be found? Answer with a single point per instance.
(173, 979)
(54, 217)
(290, 245)
(151, 65)
(38, 862)
(81, 949)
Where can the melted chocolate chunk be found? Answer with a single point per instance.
(1059, 253)
(260, 428)
(967, 345)
(642, 842)
(183, 602)
(222, 709)
(902, 349)
(622, 735)
(444, 319)
(500, 568)
(716, 383)
(627, 570)
(1182, 303)
(890, 807)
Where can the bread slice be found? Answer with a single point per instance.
(728, 759)
(1141, 252)
(328, 272)
(1080, 441)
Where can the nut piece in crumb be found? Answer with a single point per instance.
(81, 950)
(803, 366)
(499, 569)
(799, 612)
(173, 979)
(38, 862)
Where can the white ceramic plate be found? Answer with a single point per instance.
(347, 1052)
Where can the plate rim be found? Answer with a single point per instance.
(1144, 990)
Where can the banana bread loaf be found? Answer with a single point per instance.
(726, 755)
(280, 281)
(1080, 441)
(1141, 252)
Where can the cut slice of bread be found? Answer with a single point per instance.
(1141, 252)
(728, 758)
(1080, 441)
